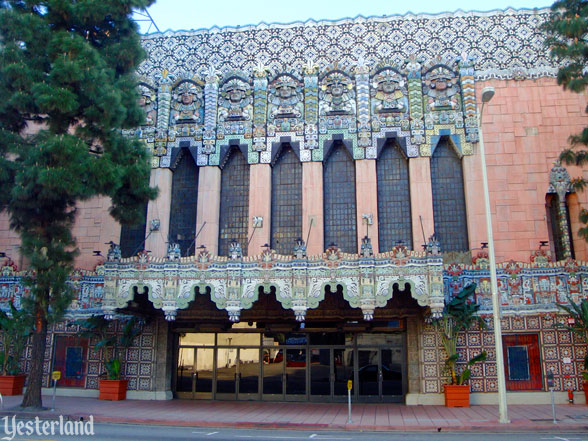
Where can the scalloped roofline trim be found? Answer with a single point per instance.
(358, 19)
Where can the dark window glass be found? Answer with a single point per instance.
(184, 198)
(448, 199)
(556, 235)
(394, 221)
(234, 205)
(286, 202)
(339, 200)
(132, 237)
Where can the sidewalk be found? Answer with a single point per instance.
(311, 416)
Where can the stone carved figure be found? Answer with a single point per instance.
(389, 94)
(336, 95)
(187, 104)
(441, 89)
(174, 251)
(114, 252)
(235, 101)
(285, 97)
(148, 101)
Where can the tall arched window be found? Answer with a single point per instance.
(394, 221)
(449, 208)
(132, 237)
(184, 199)
(339, 199)
(286, 201)
(234, 202)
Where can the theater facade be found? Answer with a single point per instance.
(320, 200)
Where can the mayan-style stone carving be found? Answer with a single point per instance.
(300, 249)
(187, 104)
(235, 101)
(173, 251)
(389, 94)
(148, 101)
(337, 95)
(285, 98)
(114, 252)
(366, 247)
(235, 251)
(441, 89)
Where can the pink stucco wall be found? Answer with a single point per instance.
(526, 125)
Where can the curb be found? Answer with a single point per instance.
(491, 427)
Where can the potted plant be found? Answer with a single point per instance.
(112, 348)
(579, 326)
(458, 316)
(15, 330)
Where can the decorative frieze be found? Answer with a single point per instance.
(416, 85)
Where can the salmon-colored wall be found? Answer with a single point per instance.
(312, 207)
(94, 228)
(421, 199)
(10, 241)
(160, 209)
(260, 199)
(366, 191)
(526, 125)
(209, 187)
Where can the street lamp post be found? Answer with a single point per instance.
(487, 94)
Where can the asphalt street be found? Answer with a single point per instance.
(104, 432)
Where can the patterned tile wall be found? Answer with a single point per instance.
(555, 343)
(138, 366)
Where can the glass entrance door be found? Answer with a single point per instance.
(204, 377)
(248, 374)
(321, 373)
(292, 369)
(380, 374)
(194, 377)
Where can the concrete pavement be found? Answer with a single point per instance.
(309, 416)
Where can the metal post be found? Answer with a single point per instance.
(349, 386)
(54, 391)
(502, 406)
(349, 406)
(553, 405)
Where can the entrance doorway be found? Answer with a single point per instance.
(292, 366)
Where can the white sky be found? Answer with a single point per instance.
(197, 14)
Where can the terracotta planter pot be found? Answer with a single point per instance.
(113, 390)
(12, 384)
(586, 390)
(457, 395)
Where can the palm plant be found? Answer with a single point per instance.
(16, 328)
(112, 346)
(458, 316)
(579, 313)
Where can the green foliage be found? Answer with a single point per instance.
(67, 88)
(567, 40)
(15, 329)
(579, 312)
(112, 347)
(458, 316)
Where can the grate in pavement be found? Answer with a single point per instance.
(542, 419)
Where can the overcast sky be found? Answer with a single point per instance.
(198, 14)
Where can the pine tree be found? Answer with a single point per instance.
(567, 31)
(67, 88)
